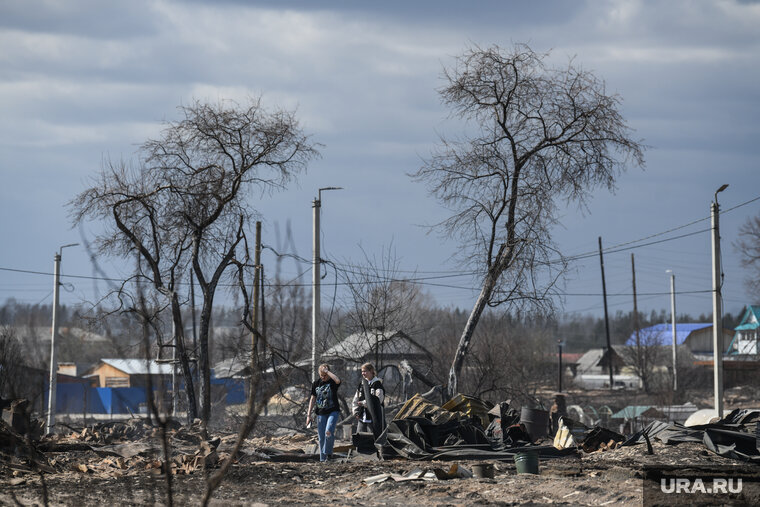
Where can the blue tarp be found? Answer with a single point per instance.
(73, 398)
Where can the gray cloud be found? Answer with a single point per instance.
(80, 80)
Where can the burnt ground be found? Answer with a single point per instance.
(121, 463)
(128, 471)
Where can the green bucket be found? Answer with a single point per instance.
(526, 462)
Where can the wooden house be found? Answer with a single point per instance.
(129, 373)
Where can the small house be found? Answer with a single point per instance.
(130, 373)
(397, 357)
(747, 333)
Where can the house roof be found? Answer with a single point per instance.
(570, 358)
(589, 359)
(751, 319)
(361, 345)
(240, 367)
(232, 367)
(139, 366)
(662, 334)
(593, 357)
(634, 411)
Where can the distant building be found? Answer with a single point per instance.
(592, 371)
(697, 337)
(747, 334)
(130, 373)
(596, 361)
(376, 346)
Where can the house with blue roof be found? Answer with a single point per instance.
(697, 337)
(745, 339)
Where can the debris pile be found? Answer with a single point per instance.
(424, 431)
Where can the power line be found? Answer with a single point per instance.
(438, 275)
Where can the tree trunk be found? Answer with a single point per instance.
(179, 342)
(203, 361)
(469, 329)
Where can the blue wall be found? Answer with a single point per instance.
(73, 398)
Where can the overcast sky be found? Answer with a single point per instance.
(83, 80)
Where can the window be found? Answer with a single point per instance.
(117, 381)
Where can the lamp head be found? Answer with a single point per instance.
(721, 189)
(327, 188)
(60, 250)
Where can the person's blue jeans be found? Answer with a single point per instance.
(326, 430)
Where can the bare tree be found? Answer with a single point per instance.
(184, 204)
(12, 377)
(384, 312)
(538, 135)
(645, 356)
(748, 246)
(381, 301)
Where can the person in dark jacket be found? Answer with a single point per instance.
(359, 403)
(324, 395)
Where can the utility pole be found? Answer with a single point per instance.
(315, 279)
(255, 312)
(606, 317)
(673, 326)
(559, 373)
(639, 362)
(635, 307)
(717, 311)
(54, 332)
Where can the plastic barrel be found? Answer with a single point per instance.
(536, 421)
(526, 462)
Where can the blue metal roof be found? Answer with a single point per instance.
(662, 334)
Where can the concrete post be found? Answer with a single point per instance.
(53, 359)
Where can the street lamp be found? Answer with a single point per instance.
(560, 344)
(717, 315)
(673, 325)
(315, 291)
(53, 361)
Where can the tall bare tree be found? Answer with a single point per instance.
(184, 204)
(645, 355)
(748, 246)
(535, 135)
(381, 301)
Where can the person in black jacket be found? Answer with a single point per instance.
(324, 395)
(359, 403)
